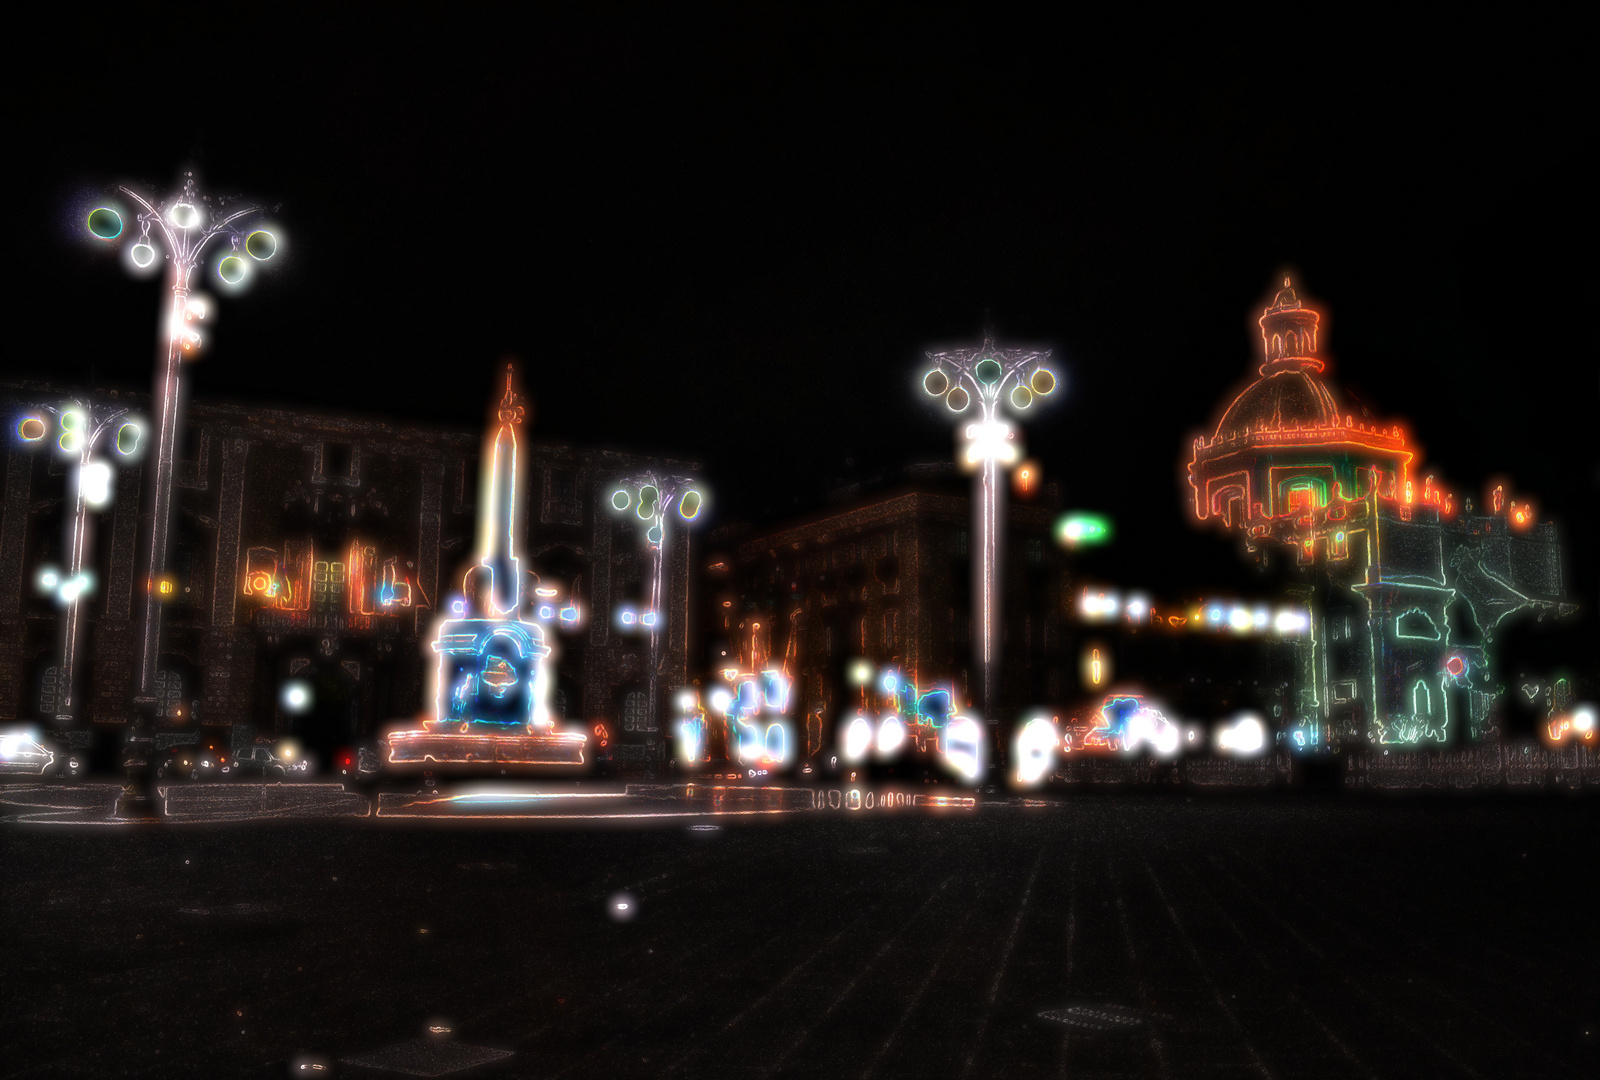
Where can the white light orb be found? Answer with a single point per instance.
(891, 735)
(857, 739)
(184, 215)
(963, 747)
(296, 696)
(94, 483)
(1243, 736)
(1036, 751)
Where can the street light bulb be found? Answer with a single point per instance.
(620, 499)
(689, 506)
(94, 481)
(958, 400)
(261, 245)
(195, 308)
(649, 495)
(232, 269)
(142, 255)
(936, 382)
(31, 429)
(988, 372)
(1043, 381)
(184, 215)
(105, 223)
(1021, 397)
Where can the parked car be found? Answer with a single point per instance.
(189, 763)
(262, 759)
(21, 753)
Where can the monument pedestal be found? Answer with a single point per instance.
(425, 749)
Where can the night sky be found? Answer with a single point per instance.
(732, 240)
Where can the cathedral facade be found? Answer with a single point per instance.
(1407, 581)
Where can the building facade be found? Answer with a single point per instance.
(320, 549)
(889, 580)
(1407, 582)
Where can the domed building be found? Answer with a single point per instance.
(1406, 586)
(1284, 445)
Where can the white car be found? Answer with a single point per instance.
(22, 754)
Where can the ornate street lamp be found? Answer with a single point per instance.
(996, 380)
(651, 498)
(185, 225)
(79, 432)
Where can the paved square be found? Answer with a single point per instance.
(1105, 936)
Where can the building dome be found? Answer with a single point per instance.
(1289, 393)
(1292, 398)
(1285, 436)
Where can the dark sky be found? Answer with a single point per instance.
(732, 240)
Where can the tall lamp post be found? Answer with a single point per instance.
(997, 380)
(651, 498)
(186, 229)
(80, 431)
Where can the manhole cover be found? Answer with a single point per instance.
(424, 1057)
(1096, 1017)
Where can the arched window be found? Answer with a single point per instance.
(1416, 624)
(1292, 344)
(1421, 699)
(1277, 345)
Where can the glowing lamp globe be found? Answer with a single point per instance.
(232, 269)
(648, 497)
(261, 245)
(936, 383)
(184, 215)
(105, 223)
